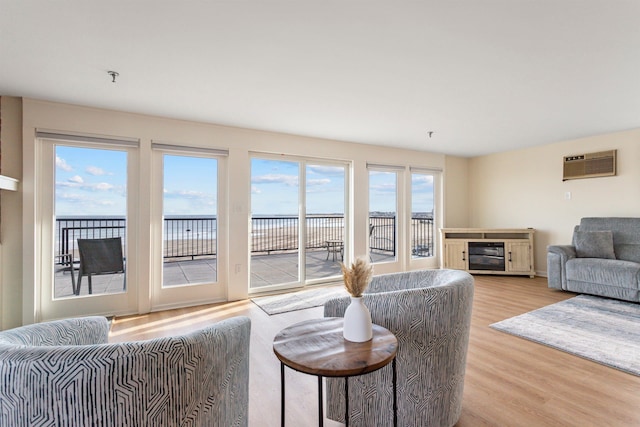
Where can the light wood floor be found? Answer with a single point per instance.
(509, 382)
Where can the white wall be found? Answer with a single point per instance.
(524, 188)
(44, 115)
(456, 192)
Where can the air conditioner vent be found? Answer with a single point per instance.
(591, 165)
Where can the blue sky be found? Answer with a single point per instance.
(274, 189)
(90, 181)
(275, 186)
(93, 182)
(383, 191)
(190, 185)
(421, 192)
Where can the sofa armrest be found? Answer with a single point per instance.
(74, 331)
(566, 250)
(557, 257)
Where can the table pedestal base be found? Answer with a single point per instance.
(346, 398)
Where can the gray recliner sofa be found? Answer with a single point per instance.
(604, 259)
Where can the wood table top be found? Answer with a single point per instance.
(317, 347)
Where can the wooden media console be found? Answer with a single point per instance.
(489, 251)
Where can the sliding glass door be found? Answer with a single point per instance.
(190, 228)
(297, 222)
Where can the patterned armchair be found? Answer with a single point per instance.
(429, 311)
(64, 373)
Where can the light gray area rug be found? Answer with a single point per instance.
(599, 329)
(282, 303)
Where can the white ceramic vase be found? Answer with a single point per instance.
(357, 321)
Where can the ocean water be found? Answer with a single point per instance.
(176, 227)
(200, 228)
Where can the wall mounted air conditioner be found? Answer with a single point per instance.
(591, 165)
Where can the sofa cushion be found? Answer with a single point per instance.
(594, 244)
(627, 252)
(612, 272)
(626, 234)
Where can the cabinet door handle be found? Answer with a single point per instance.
(510, 256)
(463, 253)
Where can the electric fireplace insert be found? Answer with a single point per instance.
(486, 256)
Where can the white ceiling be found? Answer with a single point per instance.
(484, 75)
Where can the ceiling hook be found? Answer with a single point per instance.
(113, 75)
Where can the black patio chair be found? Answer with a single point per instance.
(98, 257)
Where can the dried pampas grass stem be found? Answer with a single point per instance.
(357, 278)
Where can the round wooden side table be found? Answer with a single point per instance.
(317, 347)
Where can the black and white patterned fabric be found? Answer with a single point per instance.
(64, 373)
(429, 311)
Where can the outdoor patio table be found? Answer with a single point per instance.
(334, 247)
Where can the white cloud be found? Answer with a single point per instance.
(62, 164)
(95, 171)
(326, 170)
(384, 188)
(102, 186)
(185, 194)
(81, 185)
(422, 179)
(71, 197)
(255, 190)
(77, 179)
(191, 194)
(377, 172)
(321, 181)
(68, 184)
(290, 180)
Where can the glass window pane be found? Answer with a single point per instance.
(382, 215)
(274, 222)
(90, 198)
(325, 195)
(422, 238)
(190, 205)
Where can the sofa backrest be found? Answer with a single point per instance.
(64, 373)
(626, 234)
(416, 279)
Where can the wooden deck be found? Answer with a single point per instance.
(266, 270)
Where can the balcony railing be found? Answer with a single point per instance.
(190, 237)
(69, 230)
